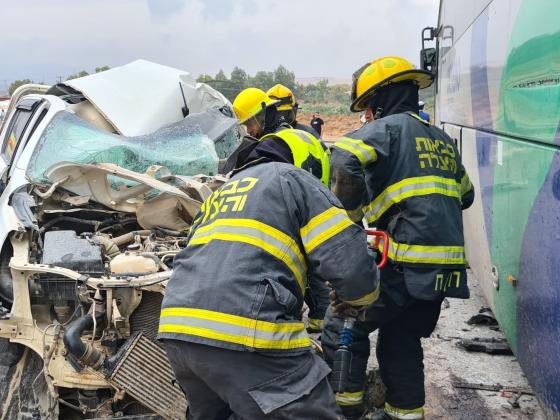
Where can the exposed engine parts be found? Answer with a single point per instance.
(84, 286)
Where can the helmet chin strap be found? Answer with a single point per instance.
(378, 113)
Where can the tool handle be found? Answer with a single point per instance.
(341, 368)
(380, 235)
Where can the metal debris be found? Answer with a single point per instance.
(485, 316)
(486, 345)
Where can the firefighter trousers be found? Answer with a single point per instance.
(402, 321)
(225, 384)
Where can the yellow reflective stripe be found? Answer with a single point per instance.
(466, 184)
(233, 319)
(235, 339)
(276, 252)
(263, 227)
(367, 299)
(349, 398)
(423, 254)
(410, 187)
(323, 227)
(233, 328)
(254, 236)
(404, 413)
(414, 115)
(320, 218)
(364, 152)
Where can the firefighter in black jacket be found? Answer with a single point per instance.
(265, 113)
(403, 176)
(231, 316)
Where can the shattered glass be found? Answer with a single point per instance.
(189, 147)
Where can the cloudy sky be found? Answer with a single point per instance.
(44, 39)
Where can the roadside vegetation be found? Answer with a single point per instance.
(319, 97)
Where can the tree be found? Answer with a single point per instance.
(285, 77)
(16, 84)
(204, 78)
(75, 76)
(239, 78)
(263, 80)
(100, 69)
(220, 75)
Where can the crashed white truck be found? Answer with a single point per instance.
(100, 180)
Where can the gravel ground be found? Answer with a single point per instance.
(446, 364)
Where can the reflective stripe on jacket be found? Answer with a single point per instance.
(241, 280)
(405, 176)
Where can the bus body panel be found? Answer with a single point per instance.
(498, 94)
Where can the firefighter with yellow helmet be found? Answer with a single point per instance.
(287, 107)
(264, 113)
(257, 111)
(231, 316)
(404, 176)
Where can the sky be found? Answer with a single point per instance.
(46, 39)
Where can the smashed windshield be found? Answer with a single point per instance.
(189, 147)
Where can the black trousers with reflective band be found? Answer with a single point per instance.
(402, 321)
(237, 385)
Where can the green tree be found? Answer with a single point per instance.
(239, 78)
(17, 83)
(220, 76)
(100, 69)
(75, 76)
(285, 77)
(204, 78)
(263, 80)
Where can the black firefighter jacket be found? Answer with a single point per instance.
(240, 282)
(406, 177)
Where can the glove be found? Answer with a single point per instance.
(345, 310)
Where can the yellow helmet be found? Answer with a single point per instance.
(381, 72)
(286, 98)
(307, 151)
(250, 102)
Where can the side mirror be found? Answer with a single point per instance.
(428, 58)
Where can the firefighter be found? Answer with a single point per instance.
(262, 114)
(405, 177)
(231, 316)
(288, 108)
(257, 111)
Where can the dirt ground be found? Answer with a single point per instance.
(447, 364)
(335, 125)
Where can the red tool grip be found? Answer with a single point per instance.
(380, 234)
